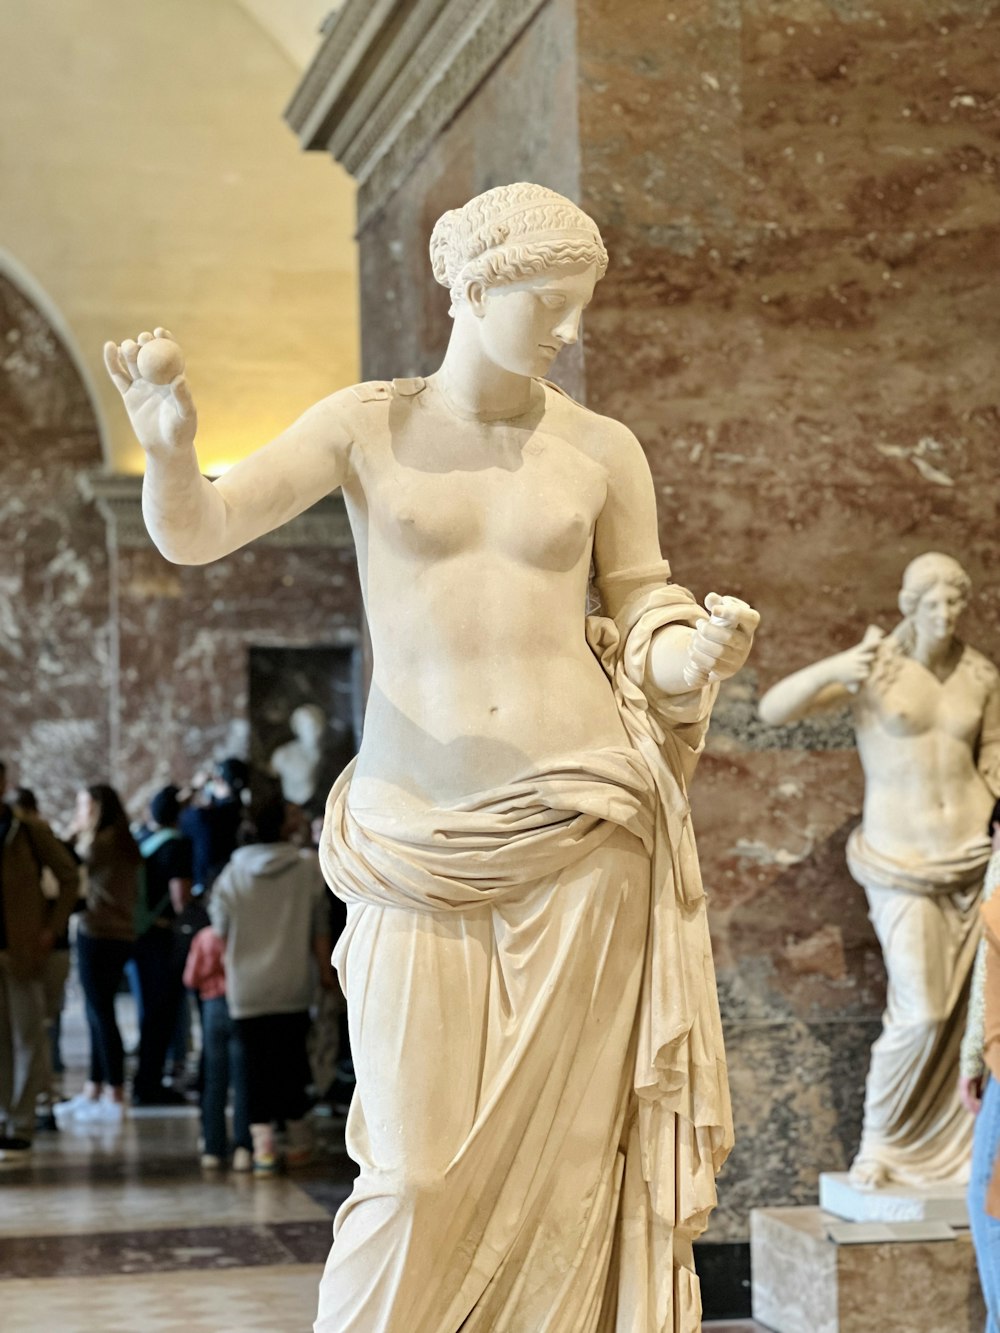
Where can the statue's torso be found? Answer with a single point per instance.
(474, 545)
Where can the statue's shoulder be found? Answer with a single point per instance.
(981, 667)
(381, 391)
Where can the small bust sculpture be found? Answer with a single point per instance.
(541, 1099)
(297, 763)
(926, 711)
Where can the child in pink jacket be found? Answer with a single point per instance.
(205, 972)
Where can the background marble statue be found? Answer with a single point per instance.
(926, 711)
(542, 1101)
(297, 763)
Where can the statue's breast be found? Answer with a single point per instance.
(917, 702)
(525, 495)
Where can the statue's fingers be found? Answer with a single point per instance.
(115, 367)
(130, 355)
(146, 337)
(183, 401)
(164, 333)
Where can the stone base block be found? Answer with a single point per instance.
(892, 1203)
(804, 1280)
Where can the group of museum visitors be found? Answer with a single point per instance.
(206, 897)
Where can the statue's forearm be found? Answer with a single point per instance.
(185, 515)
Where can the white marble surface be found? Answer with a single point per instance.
(892, 1203)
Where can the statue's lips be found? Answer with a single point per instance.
(547, 347)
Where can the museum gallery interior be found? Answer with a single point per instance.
(499, 651)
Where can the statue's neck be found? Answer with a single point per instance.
(475, 386)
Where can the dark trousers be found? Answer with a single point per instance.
(277, 1066)
(161, 989)
(101, 964)
(224, 1069)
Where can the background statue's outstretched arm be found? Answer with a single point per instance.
(828, 683)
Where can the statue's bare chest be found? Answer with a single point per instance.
(917, 702)
(435, 488)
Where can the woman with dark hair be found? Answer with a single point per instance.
(102, 840)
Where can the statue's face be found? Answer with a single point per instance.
(524, 325)
(938, 611)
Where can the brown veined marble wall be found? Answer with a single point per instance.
(54, 630)
(801, 324)
(520, 125)
(184, 636)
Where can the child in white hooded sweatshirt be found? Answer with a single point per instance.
(269, 906)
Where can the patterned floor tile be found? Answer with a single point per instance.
(256, 1300)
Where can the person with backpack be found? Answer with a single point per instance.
(29, 926)
(166, 892)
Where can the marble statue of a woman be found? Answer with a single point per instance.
(926, 711)
(541, 1101)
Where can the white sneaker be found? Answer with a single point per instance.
(102, 1111)
(210, 1162)
(71, 1109)
(242, 1159)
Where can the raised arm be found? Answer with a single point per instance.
(193, 520)
(627, 554)
(826, 684)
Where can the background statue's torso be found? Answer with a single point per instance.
(474, 546)
(917, 738)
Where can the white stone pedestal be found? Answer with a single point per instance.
(814, 1273)
(892, 1203)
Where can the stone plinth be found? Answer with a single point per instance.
(893, 1203)
(811, 1276)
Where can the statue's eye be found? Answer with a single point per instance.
(554, 301)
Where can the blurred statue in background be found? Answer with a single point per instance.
(297, 763)
(926, 711)
(542, 1102)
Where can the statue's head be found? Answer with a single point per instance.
(934, 593)
(522, 261)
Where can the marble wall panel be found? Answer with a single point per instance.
(54, 617)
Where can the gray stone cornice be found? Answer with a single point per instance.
(389, 77)
(119, 499)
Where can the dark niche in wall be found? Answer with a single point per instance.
(325, 681)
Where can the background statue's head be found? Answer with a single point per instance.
(933, 595)
(308, 722)
(522, 262)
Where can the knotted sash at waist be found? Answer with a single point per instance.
(490, 846)
(950, 874)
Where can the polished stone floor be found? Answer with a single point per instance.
(117, 1230)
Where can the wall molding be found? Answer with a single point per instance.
(390, 75)
(119, 499)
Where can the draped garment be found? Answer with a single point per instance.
(542, 1103)
(927, 920)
